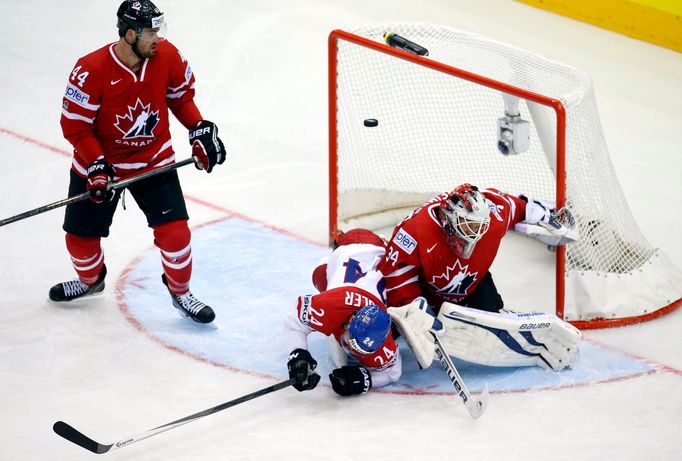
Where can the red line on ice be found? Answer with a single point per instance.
(231, 213)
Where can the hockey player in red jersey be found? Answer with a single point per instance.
(442, 253)
(115, 113)
(444, 249)
(351, 310)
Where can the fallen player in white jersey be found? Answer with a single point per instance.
(351, 311)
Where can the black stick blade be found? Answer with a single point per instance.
(72, 435)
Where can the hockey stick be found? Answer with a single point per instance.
(475, 407)
(86, 195)
(72, 435)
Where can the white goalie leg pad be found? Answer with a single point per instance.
(509, 338)
(415, 324)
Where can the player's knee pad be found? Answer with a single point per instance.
(82, 247)
(172, 236)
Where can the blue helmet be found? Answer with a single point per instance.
(368, 329)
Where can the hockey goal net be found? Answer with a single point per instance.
(438, 127)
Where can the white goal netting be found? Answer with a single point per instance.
(437, 130)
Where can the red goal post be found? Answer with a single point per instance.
(454, 129)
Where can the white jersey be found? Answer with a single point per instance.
(355, 264)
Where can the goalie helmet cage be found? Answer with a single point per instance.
(437, 127)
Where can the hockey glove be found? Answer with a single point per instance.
(206, 145)
(351, 380)
(536, 210)
(100, 174)
(301, 368)
(550, 226)
(562, 227)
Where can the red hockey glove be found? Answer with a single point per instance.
(206, 145)
(100, 174)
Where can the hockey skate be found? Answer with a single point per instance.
(74, 289)
(191, 307)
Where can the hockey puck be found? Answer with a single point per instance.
(371, 122)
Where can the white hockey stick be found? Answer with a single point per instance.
(474, 407)
(74, 436)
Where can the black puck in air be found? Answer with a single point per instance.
(371, 122)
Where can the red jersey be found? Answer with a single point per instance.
(110, 110)
(419, 261)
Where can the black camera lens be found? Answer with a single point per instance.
(503, 147)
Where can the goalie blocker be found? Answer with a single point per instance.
(503, 338)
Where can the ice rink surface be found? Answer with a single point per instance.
(261, 76)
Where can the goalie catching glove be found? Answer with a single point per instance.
(550, 226)
(509, 338)
(416, 322)
(301, 367)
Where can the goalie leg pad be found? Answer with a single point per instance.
(415, 325)
(509, 338)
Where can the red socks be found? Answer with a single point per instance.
(173, 239)
(86, 256)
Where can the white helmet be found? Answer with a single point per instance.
(465, 218)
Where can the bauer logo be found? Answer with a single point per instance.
(405, 241)
(74, 94)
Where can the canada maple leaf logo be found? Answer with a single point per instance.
(138, 122)
(455, 280)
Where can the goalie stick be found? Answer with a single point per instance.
(72, 435)
(86, 195)
(474, 407)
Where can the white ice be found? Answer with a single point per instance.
(261, 69)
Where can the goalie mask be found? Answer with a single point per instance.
(465, 217)
(367, 330)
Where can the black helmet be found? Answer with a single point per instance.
(138, 14)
